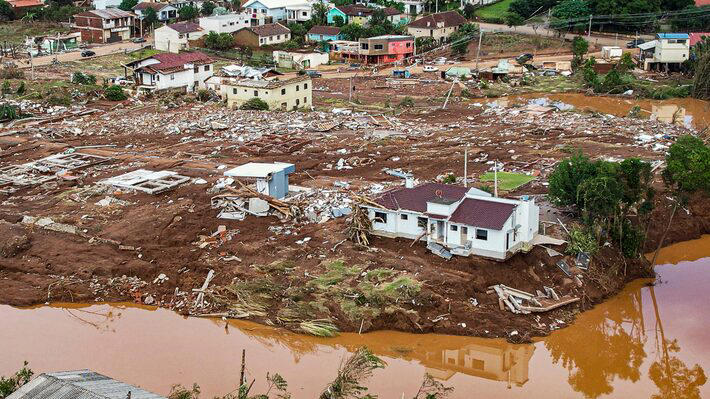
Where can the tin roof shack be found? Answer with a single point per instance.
(666, 53)
(457, 220)
(80, 384)
(278, 94)
(271, 178)
(105, 26)
(165, 71)
(54, 44)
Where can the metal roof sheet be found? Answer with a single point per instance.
(79, 384)
(672, 35)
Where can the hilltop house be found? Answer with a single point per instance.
(465, 221)
(667, 52)
(164, 11)
(165, 71)
(278, 94)
(175, 37)
(321, 33)
(105, 26)
(262, 35)
(361, 15)
(227, 23)
(438, 26)
(280, 10)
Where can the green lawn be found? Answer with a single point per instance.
(507, 181)
(494, 11)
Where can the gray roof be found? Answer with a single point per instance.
(80, 384)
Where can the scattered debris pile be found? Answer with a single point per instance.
(521, 302)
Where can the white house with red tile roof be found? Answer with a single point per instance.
(164, 71)
(466, 221)
(176, 37)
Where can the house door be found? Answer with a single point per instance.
(440, 230)
(464, 235)
(507, 241)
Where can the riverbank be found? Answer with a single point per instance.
(301, 273)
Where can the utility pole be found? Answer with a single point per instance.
(495, 179)
(350, 95)
(478, 50)
(465, 166)
(589, 33)
(32, 65)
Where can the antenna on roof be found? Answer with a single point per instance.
(495, 179)
(465, 166)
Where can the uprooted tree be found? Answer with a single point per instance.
(701, 84)
(11, 384)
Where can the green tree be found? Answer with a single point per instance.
(319, 16)
(219, 41)
(514, 20)
(469, 10)
(208, 8)
(688, 165)
(424, 43)
(114, 93)
(352, 31)
(625, 63)
(127, 5)
(298, 32)
(255, 104)
(565, 180)
(188, 13)
(150, 17)
(701, 82)
(461, 38)
(338, 21)
(579, 49)
(6, 13)
(569, 9)
(13, 383)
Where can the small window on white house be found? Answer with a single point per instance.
(256, 93)
(454, 227)
(172, 77)
(421, 222)
(305, 100)
(207, 67)
(305, 86)
(297, 88)
(283, 92)
(482, 234)
(464, 230)
(404, 216)
(234, 91)
(380, 217)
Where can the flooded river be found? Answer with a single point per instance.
(645, 341)
(689, 112)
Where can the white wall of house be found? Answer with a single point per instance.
(104, 4)
(187, 78)
(671, 50)
(168, 39)
(287, 97)
(227, 23)
(274, 39)
(438, 33)
(304, 60)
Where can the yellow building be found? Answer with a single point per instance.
(279, 94)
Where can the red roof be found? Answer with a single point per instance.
(700, 3)
(482, 213)
(170, 62)
(185, 27)
(25, 3)
(697, 36)
(415, 199)
(324, 30)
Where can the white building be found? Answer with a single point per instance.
(299, 12)
(465, 221)
(667, 52)
(104, 4)
(175, 38)
(227, 23)
(299, 60)
(164, 71)
(279, 94)
(278, 9)
(164, 11)
(412, 7)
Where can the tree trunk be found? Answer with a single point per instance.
(663, 238)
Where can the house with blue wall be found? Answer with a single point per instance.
(270, 178)
(321, 33)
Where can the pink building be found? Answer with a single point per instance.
(380, 49)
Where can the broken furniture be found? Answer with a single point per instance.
(46, 169)
(271, 178)
(147, 181)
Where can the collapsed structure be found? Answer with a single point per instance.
(456, 220)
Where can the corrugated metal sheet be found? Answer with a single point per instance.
(80, 384)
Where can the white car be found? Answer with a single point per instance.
(430, 68)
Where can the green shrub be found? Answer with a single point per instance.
(407, 102)
(6, 88)
(81, 78)
(449, 179)
(21, 89)
(203, 95)
(114, 93)
(8, 112)
(688, 165)
(581, 240)
(255, 104)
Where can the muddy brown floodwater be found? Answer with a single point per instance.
(647, 340)
(688, 112)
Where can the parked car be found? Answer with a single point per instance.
(430, 68)
(88, 53)
(523, 58)
(313, 74)
(138, 40)
(635, 43)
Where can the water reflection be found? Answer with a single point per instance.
(671, 113)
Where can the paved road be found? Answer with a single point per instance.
(104, 49)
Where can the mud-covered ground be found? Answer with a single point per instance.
(285, 272)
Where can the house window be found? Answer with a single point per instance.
(196, 69)
(207, 68)
(364, 46)
(380, 217)
(298, 101)
(256, 93)
(409, 44)
(305, 86)
(482, 234)
(421, 222)
(304, 13)
(464, 230)
(231, 24)
(454, 227)
(297, 88)
(261, 40)
(278, 37)
(283, 92)
(305, 100)
(234, 91)
(181, 36)
(404, 216)
(379, 46)
(172, 77)
(157, 77)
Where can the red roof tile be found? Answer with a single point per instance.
(449, 18)
(25, 3)
(698, 36)
(270, 29)
(170, 62)
(482, 213)
(415, 199)
(324, 30)
(185, 27)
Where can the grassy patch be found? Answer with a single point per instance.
(336, 273)
(494, 12)
(508, 181)
(15, 32)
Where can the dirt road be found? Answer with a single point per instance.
(100, 50)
